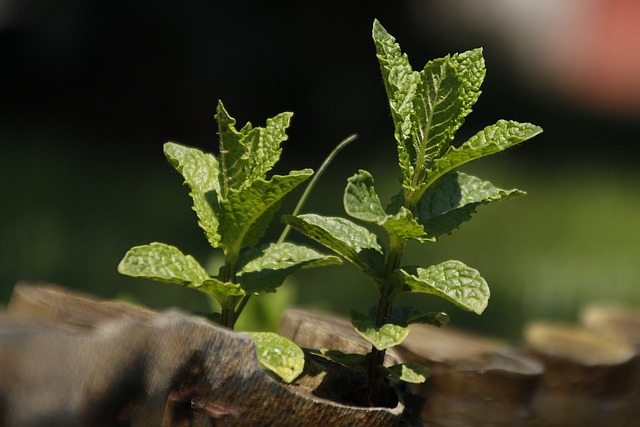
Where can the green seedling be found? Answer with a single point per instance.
(235, 202)
(427, 107)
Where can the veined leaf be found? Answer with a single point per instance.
(413, 373)
(233, 151)
(200, 171)
(407, 315)
(220, 290)
(404, 226)
(349, 240)
(279, 355)
(438, 107)
(492, 139)
(427, 107)
(471, 68)
(362, 202)
(401, 83)
(245, 214)
(388, 335)
(165, 263)
(263, 144)
(453, 199)
(345, 358)
(450, 280)
(248, 154)
(265, 269)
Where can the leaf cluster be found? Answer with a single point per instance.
(234, 200)
(427, 106)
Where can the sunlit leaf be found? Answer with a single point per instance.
(492, 139)
(249, 153)
(386, 336)
(245, 214)
(265, 269)
(362, 202)
(349, 240)
(451, 280)
(200, 171)
(453, 199)
(165, 263)
(279, 355)
(413, 373)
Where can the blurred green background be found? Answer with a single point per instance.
(89, 94)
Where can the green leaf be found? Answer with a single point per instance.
(264, 145)
(265, 269)
(200, 171)
(427, 107)
(439, 108)
(233, 151)
(362, 202)
(450, 280)
(349, 240)
(165, 263)
(471, 68)
(279, 355)
(345, 358)
(407, 315)
(492, 139)
(401, 83)
(245, 214)
(453, 199)
(404, 226)
(388, 335)
(220, 290)
(413, 373)
(248, 154)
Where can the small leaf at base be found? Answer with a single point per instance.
(345, 358)
(388, 335)
(413, 373)
(279, 355)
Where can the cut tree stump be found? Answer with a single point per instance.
(71, 360)
(475, 381)
(590, 379)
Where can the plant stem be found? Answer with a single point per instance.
(243, 302)
(228, 315)
(228, 318)
(383, 316)
(315, 178)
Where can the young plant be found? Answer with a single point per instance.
(235, 202)
(427, 107)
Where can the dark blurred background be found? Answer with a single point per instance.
(90, 90)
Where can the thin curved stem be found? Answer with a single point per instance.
(301, 202)
(313, 181)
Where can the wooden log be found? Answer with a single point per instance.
(81, 364)
(613, 320)
(475, 381)
(60, 305)
(588, 379)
